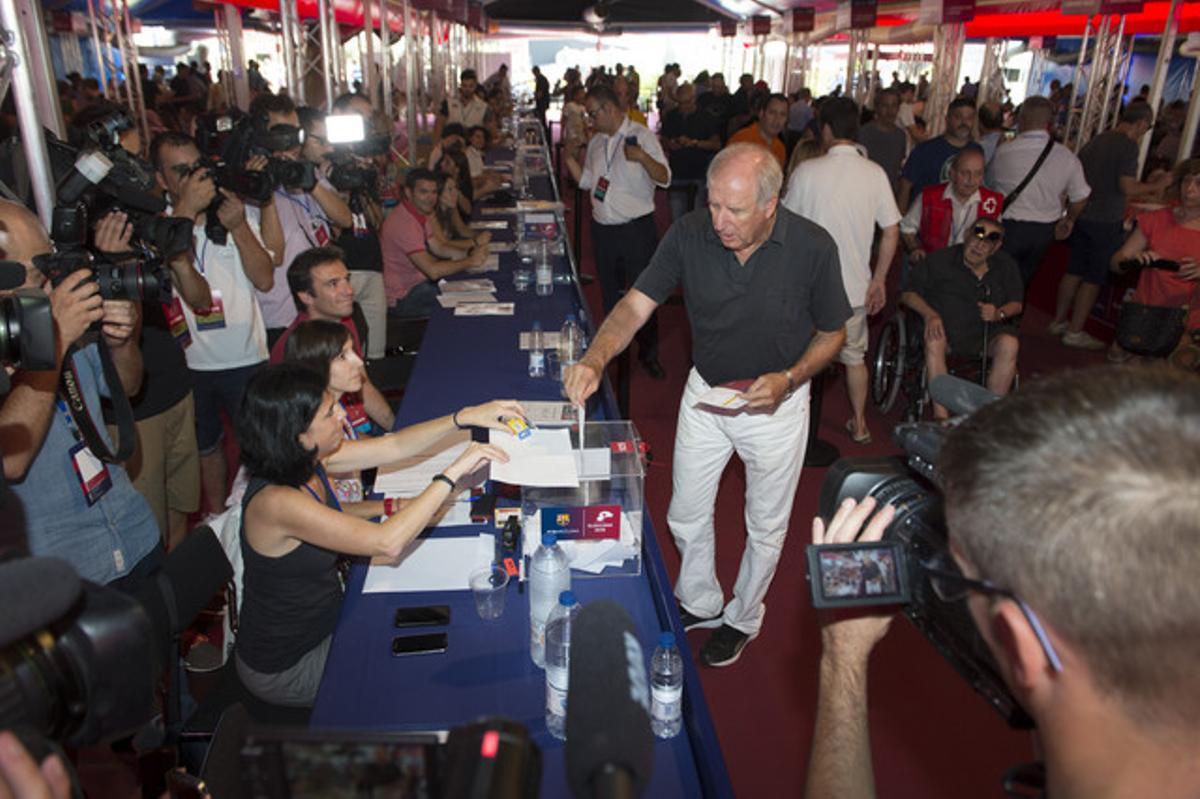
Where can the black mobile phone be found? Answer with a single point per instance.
(483, 507)
(428, 616)
(851, 575)
(631, 141)
(427, 644)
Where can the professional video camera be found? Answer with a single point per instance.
(894, 570)
(352, 145)
(79, 662)
(241, 138)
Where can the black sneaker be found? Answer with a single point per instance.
(725, 646)
(693, 622)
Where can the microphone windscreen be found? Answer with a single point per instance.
(608, 720)
(12, 275)
(960, 397)
(34, 592)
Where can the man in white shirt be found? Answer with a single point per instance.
(849, 195)
(1034, 218)
(466, 107)
(229, 343)
(623, 166)
(306, 218)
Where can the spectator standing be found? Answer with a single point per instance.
(800, 113)
(886, 141)
(718, 103)
(991, 129)
(765, 132)
(541, 95)
(628, 101)
(751, 273)
(1110, 164)
(691, 139)
(623, 166)
(464, 107)
(929, 162)
(849, 195)
(1034, 218)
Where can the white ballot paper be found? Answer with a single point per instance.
(501, 246)
(490, 224)
(475, 285)
(484, 309)
(549, 339)
(544, 459)
(411, 476)
(540, 413)
(722, 399)
(454, 299)
(433, 564)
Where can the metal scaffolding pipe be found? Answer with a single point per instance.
(289, 45)
(1166, 49)
(326, 51)
(101, 71)
(410, 30)
(41, 67)
(33, 142)
(1083, 46)
(1107, 101)
(1192, 123)
(385, 68)
(1089, 99)
(368, 81)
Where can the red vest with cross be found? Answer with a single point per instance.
(937, 214)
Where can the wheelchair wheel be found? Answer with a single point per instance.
(919, 400)
(890, 355)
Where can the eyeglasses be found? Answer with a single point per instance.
(951, 585)
(983, 234)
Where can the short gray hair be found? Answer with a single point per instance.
(768, 175)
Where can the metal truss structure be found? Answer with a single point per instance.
(948, 41)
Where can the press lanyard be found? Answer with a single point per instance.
(306, 224)
(608, 159)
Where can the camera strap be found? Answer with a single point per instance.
(71, 393)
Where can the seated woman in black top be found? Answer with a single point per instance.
(290, 430)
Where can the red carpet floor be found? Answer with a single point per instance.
(931, 735)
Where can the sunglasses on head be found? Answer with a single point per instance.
(983, 234)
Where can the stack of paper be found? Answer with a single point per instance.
(489, 224)
(549, 340)
(433, 564)
(549, 414)
(501, 246)
(478, 284)
(411, 476)
(485, 309)
(456, 298)
(544, 458)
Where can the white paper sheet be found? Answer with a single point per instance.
(411, 476)
(485, 309)
(721, 398)
(543, 459)
(549, 414)
(473, 285)
(457, 298)
(490, 224)
(594, 463)
(497, 210)
(549, 339)
(501, 246)
(433, 564)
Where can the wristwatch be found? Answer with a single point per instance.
(791, 380)
(1000, 314)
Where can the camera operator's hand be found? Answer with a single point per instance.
(120, 322)
(232, 212)
(850, 637)
(76, 305)
(22, 778)
(196, 192)
(113, 233)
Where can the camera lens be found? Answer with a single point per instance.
(10, 330)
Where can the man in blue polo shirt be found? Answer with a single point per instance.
(929, 162)
(65, 502)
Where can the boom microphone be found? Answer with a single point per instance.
(960, 397)
(610, 749)
(34, 592)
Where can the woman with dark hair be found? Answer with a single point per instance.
(452, 237)
(291, 429)
(454, 163)
(1170, 234)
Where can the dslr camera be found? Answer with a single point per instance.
(896, 569)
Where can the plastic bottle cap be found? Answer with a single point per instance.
(566, 598)
(570, 317)
(549, 539)
(666, 639)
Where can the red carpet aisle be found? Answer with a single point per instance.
(932, 737)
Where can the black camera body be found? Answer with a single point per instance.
(350, 176)
(140, 278)
(27, 330)
(294, 175)
(254, 185)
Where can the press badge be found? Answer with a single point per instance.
(94, 479)
(356, 417)
(176, 322)
(320, 232)
(601, 189)
(214, 317)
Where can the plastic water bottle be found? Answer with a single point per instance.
(558, 662)
(544, 272)
(570, 341)
(666, 688)
(537, 353)
(549, 576)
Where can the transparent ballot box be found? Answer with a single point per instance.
(599, 523)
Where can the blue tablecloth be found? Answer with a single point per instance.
(487, 669)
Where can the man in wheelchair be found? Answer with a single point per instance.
(968, 295)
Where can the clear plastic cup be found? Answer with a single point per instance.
(489, 585)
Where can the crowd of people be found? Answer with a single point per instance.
(788, 213)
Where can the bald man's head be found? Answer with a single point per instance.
(21, 238)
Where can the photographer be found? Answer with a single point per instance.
(228, 339)
(1072, 517)
(306, 217)
(65, 502)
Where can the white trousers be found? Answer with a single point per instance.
(772, 447)
(369, 294)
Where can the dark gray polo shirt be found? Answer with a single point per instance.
(753, 318)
